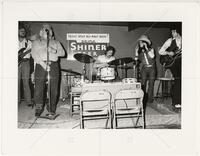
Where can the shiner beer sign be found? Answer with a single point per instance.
(91, 44)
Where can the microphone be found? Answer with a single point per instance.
(47, 31)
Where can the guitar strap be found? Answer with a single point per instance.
(26, 44)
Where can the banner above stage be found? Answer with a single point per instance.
(91, 44)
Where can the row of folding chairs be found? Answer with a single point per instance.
(95, 105)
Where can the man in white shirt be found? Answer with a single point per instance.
(39, 54)
(102, 60)
(145, 53)
(172, 45)
(24, 66)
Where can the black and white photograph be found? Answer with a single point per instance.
(100, 77)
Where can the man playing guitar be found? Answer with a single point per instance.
(170, 47)
(24, 66)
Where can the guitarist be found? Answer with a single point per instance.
(24, 67)
(169, 47)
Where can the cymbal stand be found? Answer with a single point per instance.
(125, 68)
(120, 63)
(136, 69)
(83, 73)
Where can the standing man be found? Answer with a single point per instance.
(145, 53)
(39, 54)
(170, 47)
(24, 66)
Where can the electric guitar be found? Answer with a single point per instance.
(167, 60)
(21, 55)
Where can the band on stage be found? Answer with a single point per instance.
(46, 51)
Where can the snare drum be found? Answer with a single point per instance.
(107, 73)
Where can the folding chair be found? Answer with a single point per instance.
(95, 105)
(128, 104)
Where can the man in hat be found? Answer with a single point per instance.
(39, 54)
(24, 66)
(145, 53)
(170, 47)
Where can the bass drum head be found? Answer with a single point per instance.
(107, 73)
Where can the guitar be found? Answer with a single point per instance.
(167, 60)
(21, 55)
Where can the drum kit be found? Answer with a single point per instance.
(106, 73)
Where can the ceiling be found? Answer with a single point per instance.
(131, 25)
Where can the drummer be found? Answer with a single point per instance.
(102, 61)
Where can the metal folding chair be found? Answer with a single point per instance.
(95, 105)
(128, 104)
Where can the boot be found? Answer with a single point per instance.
(38, 109)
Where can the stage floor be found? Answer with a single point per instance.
(159, 115)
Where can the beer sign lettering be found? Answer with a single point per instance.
(91, 44)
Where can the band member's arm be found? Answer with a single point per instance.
(179, 42)
(151, 53)
(136, 52)
(98, 64)
(60, 50)
(56, 49)
(163, 49)
(29, 45)
(112, 58)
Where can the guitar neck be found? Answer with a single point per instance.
(178, 51)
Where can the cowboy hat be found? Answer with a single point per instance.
(144, 38)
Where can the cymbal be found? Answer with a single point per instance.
(121, 61)
(84, 58)
(71, 71)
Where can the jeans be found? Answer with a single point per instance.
(40, 85)
(148, 74)
(24, 76)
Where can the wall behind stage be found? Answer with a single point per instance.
(123, 40)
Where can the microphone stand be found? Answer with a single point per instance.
(135, 69)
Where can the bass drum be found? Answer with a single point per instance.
(107, 73)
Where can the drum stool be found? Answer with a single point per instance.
(165, 85)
